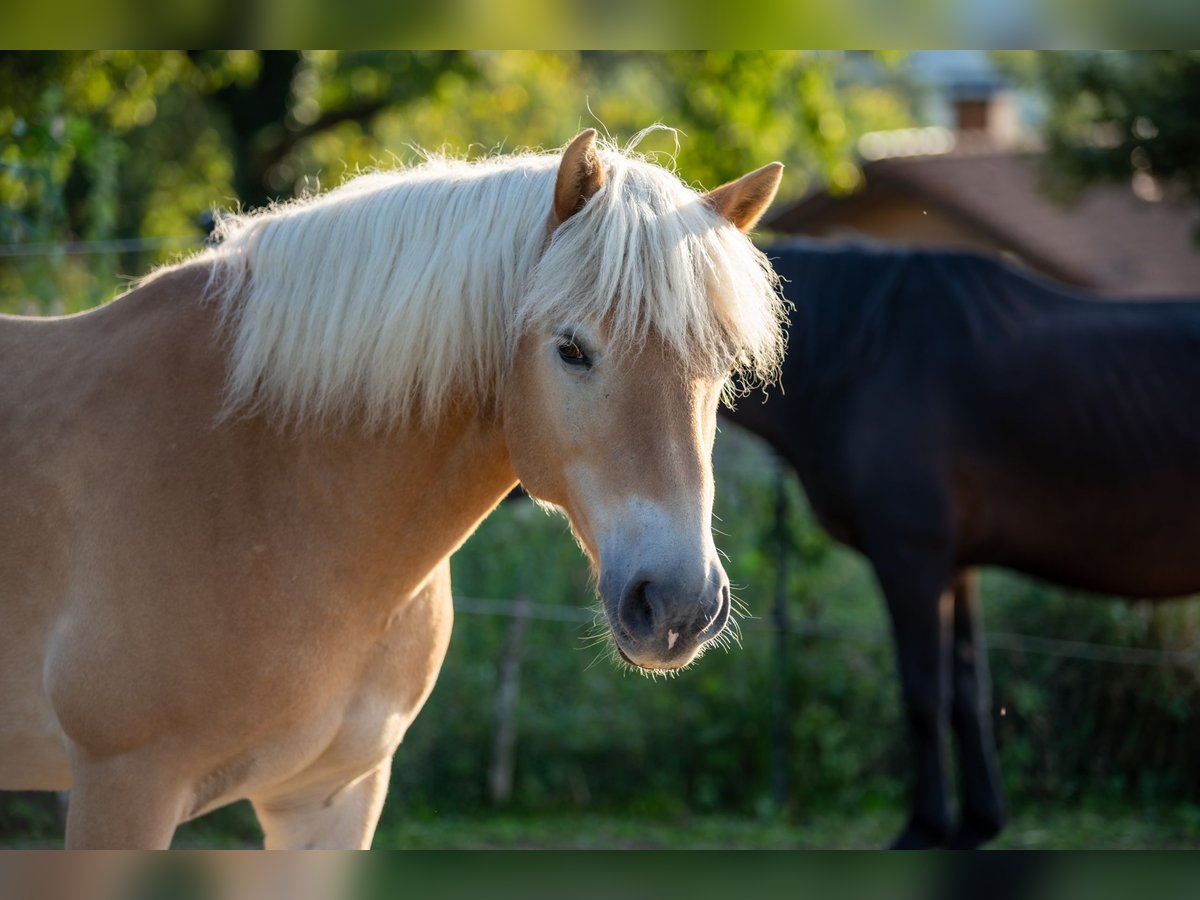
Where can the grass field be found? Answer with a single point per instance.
(1041, 827)
(1044, 828)
(1088, 829)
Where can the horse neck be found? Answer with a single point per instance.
(378, 508)
(407, 498)
(841, 301)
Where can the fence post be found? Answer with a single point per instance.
(781, 725)
(508, 688)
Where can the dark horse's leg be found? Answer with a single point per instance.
(971, 713)
(913, 580)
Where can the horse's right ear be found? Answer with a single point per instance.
(580, 175)
(743, 201)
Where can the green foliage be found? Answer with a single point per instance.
(140, 145)
(76, 133)
(1073, 726)
(735, 110)
(741, 109)
(29, 817)
(1120, 117)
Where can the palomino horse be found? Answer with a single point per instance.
(230, 496)
(943, 411)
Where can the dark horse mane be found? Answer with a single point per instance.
(849, 299)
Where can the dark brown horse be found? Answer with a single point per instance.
(944, 411)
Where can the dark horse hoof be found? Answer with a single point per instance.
(972, 833)
(918, 836)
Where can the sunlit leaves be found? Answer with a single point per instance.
(104, 144)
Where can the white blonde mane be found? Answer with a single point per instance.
(398, 291)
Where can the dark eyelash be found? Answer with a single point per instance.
(572, 354)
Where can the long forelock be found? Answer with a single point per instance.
(648, 257)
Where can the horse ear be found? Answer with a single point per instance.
(744, 201)
(580, 175)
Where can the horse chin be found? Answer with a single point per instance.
(681, 662)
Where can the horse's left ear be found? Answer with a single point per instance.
(580, 175)
(744, 201)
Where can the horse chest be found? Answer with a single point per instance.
(827, 490)
(397, 675)
(351, 731)
(819, 448)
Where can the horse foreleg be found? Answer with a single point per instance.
(126, 802)
(296, 876)
(914, 585)
(101, 875)
(340, 816)
(982, 814)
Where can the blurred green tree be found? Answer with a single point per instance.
(1118, 116)
(141, 144)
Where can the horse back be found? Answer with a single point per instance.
(75, 393)
(1074, 450)
(1060, 442)
(79, 394)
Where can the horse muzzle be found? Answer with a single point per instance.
(662, 622)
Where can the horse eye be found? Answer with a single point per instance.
(571, 353)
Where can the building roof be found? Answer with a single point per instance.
(1108, 240)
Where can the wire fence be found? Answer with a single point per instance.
(1010, 641)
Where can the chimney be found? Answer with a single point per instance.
(984, 113)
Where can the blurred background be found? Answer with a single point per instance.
(1082, 166)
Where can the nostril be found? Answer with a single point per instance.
(637, 612)
(716, 609)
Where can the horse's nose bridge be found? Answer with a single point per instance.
(666, 546)
(667, 453)
(671, 506)
(664, 590)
